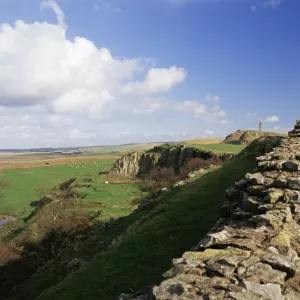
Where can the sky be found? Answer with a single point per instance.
(103, 72)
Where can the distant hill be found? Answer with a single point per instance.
(245, 137)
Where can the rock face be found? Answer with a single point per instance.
(253, 252)
(296, 131)
(138, 163)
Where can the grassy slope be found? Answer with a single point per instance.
(23, 185)
(220, 148)
(150, 238)
(245, 137)
(114, 196)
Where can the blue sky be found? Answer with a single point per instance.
(92, 72)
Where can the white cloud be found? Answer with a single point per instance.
(64, 92)
(211, 98)
(272, 3)
(193, 107)
(272, 118)
(210, 132)
(203, 111)
(253, 8)
(157, 81)
(57, 10)
(40, 66)
(218, 112)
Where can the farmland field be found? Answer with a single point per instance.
(26, 185)
(29, 176)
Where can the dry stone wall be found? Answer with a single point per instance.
(253, 252)
(138, 163)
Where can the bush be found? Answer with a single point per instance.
(164, 175)
(197, 163)
(9, 252)
(152, 183)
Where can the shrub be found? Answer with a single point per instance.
(9, 252)
(197, 163)
(152, 183)
(163, 175)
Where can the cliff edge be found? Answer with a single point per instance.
(164, 156)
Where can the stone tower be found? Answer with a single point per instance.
(296, 131)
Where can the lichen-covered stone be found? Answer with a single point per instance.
(274, 195)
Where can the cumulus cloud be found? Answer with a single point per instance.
(60, 91)
(193, 107)
(203, 111)
(157, 80)
(272, 119)
(39, 65)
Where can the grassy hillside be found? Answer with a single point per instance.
(245, 137)
(135, 250)
(220, 148)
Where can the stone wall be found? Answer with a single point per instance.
(253, 251)
(138, 163)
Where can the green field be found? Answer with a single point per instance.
(23, 185)
(136, 250)
(220, 148)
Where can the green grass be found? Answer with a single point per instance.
(135, 251)
(220, 148)
(115, 197)
(24, 183)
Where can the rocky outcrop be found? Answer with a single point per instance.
(296, 131)
(174, 156)
(253, 252)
